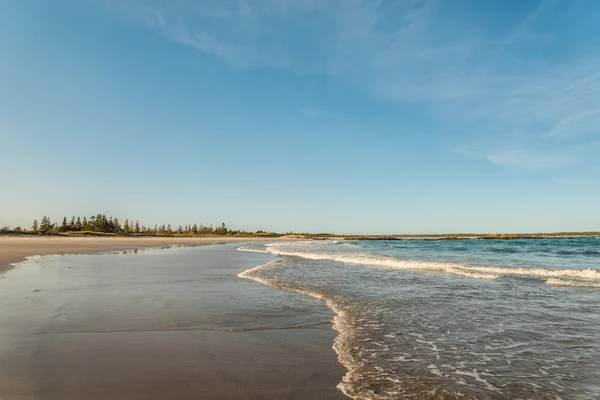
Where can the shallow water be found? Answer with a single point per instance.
(454, 319)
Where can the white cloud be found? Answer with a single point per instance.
(401, 50)
(521, 77)
(513, 159)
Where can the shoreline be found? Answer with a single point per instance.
(341, 341)
(16, 249)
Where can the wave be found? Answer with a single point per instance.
(251, 250)
(476, 272)
(575, 253)
(590, 252)
(342, 342)
(571, 283)
(351, 322)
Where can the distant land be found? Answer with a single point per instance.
(101, 225)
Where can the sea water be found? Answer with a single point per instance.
(430, 319)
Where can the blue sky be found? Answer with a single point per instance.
(343, 116)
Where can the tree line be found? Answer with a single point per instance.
(100, 223)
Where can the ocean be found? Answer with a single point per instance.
(440, 319)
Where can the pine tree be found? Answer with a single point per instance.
(137, 227)
(72, 224)
(79, 226)
(99, 223)
(126, 226)
(222, 230)
(46, 225)
(65, 226)
(35, 225)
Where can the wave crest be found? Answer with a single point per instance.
(476, 272)
(571, 283)
(251, 250)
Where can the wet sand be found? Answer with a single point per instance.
(160, 324)
(14, 249)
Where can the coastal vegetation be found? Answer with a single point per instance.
(101, 225)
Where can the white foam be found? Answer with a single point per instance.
(251, 250)
(247, 274)
(435, 370)
(477, 376)
(571, 283)
(427, 266)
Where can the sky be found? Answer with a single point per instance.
(344, 116)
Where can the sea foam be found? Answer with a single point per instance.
(476, 272)
(571, 283)
(374, 341)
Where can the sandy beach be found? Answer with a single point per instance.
(14, 249)
(160, 324)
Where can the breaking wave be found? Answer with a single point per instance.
(571, 283)
(470, 271)
(425, 338)
(251, 250)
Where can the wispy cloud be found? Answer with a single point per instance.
(528, 74)
(581, 124)
(514, 159)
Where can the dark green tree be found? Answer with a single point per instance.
(222, 230)
(46, 225)
(65, 226)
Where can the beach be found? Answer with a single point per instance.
(295, 319)
(155, 323)
(14, 248)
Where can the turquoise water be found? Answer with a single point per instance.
(454, 319)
